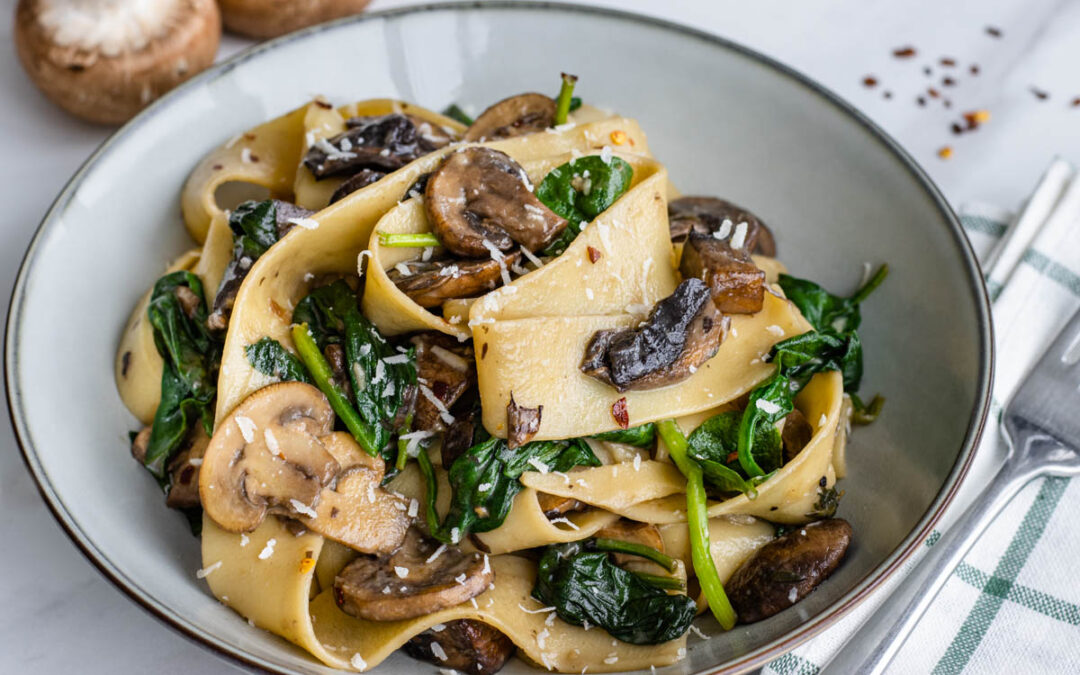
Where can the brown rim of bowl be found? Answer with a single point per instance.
(863, 588)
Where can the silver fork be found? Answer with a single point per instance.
(1041, 424)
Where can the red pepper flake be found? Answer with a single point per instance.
(948, 82)
(869, 81)
(732, 456)
(974, 69)
(947, 61)
(904, 52)
(957, 129)
(218, 167)
(993, 32)
(619, 412)
(594, 254)
(1040, 94)
(976, 117)
(1076, 102)
(254, 157)
(934, 93)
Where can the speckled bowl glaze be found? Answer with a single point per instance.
(725, 120)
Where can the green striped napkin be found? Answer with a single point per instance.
(1014, 603)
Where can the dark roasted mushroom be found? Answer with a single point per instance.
(796, 433)
(445, 370)
(184, 471)
(459, 437)
(466, 646)
(385, 142)
(514, 116)
(555, 506)
(430, 283)
(521, 423)
(411, 582)
(706, 215)
(682, 332)
(361, 179)
(479, 204)
(785, 570)
(736, 283)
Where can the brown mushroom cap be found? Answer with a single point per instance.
(705, 215)
(478, 199)
(430, 283)
(447, 368)
(468, 646)
(271, 18)
(514, 116)
(184, 470)
(104, 62)
(266, 455)
(411, 582)
(682, 332)
(737, 285)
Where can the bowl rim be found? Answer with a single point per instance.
(755, 658)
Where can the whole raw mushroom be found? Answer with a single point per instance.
(271, 18)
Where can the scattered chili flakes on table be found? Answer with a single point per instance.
(1076, 102)
(945, 152)
(904, 52)
(974, 69)
(1040, 94)
(994, 32)
(947, 61)
(869, 81)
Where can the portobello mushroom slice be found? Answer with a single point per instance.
(445, 370)
(430, 283)
(514, 116)
(479, 204)
(464, 645)
(706, 215)
(458, 437)
(736, 283)
(385, 142)
(682, 332)
(276, 453)
(411, 582)
(361, 179)
(787, 569)
(521, 423)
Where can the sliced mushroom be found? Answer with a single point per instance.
(445, 370)
(795, 434)
(411, 582)
(706, 215)
(140, 444)
(266, 457)
(356, 511)
(736, 283)
(514, 116)
(285, 216)
(465, 645)
(787, 569)
(385, 142)
(479, 204)
(262, 19)
(106, 61)
(458, 437)
(430, 283)
(682, 332)
(184, 470)
(555, 506)
(521, 423)
(361, 179)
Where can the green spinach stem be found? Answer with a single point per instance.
(698, 522)
(407, 240)
(667, 583)
(871, 285)
(562, 104)
(647, 552)
(324, 378)
(431, 491)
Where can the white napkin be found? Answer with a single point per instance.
(1015, 600)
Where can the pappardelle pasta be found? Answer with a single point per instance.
(475, 387)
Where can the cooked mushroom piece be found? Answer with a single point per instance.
(467, 646)
(682, 332)
(445, 370)
(521, 423)
(385, 142)
(787, 569)
(277, 454)
(360, 179)
(736, 283)
(184, 471)
(706, 215)
(796, 433)
(554, 506)
(411, 582)
(458, 437)
(634, 532)
(430, 283)
(479, 204)
(514, 116)
(105, 61)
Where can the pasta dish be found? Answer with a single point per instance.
(477, 388)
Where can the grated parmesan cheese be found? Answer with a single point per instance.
(247, 428)
(268, 550)
(402, 572)
(272, 442)
(205, 572)
(302, 508)
(767, 407)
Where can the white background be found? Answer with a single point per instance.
(59, 615)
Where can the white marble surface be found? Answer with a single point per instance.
(59, 613)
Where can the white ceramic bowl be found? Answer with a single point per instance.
(726, 121)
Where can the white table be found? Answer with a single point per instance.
(59, 614)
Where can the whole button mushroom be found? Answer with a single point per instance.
(105, 61)
(270, 18)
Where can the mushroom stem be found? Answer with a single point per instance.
(323, 376)
(697, 517)
(404, 240)
(562, 103)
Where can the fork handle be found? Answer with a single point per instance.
(870, 649)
